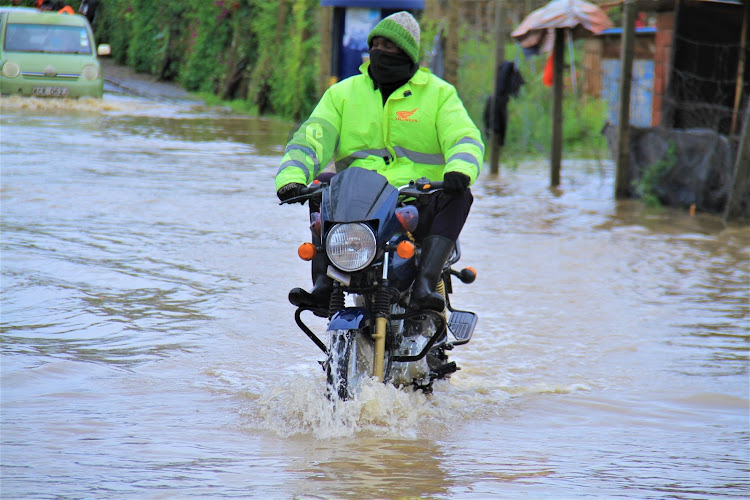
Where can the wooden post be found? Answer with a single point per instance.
(432, 11)
(326, 42)
(623, 117)
(669, 100)
(451, 44)
(740, 67)
(733, 209)
(557, 111)
(499, 59)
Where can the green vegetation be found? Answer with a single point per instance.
(261, 57)
(239, 106)
(530, 113)
(529, 127)
(646, 187)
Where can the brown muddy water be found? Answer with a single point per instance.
(149, 351)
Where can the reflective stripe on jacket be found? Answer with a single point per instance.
(422, 131)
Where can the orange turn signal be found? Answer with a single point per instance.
(306, 251)
(467, 275)
(405, 249)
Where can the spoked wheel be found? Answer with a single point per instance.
(349, 363)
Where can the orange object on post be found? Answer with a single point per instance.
(306, 251)
(548, 78)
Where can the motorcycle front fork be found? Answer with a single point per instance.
(381, 309)
(379, 356)
(381, 312)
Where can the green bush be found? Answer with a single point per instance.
(296, 78)
(647, 186)
(529, 127)
(209, 34)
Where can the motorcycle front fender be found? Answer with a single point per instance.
(351, 318)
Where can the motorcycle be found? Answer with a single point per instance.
(363, 228)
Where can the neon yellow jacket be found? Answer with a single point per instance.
(422, 131)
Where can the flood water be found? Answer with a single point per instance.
(149, 351)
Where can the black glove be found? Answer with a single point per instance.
(455, 182)
(288, 191)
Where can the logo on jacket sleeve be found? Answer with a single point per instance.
(405, 116)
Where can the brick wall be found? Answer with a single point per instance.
(665, 30)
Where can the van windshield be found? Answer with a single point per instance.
(47, 38)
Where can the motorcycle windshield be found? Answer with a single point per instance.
(358, 194)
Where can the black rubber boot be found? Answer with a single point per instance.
(435, 253)
(320, 294)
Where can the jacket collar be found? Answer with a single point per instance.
(419, 78)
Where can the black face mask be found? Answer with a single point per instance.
(389, 68)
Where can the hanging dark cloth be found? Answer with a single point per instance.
(509, 81)
(88, 9)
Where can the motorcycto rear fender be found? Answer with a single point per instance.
(350, 318)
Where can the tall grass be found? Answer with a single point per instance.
(529, 128)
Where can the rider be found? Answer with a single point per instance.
(405, 123)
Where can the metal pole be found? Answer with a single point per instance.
(571, 54)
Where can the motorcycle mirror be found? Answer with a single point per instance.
(408, 216)
(315, 224)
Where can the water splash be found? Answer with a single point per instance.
(16, 103)
(300, 406)
(110, 104)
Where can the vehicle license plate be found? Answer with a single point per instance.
(50, 91)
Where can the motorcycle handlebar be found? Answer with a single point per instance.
(414, 189)
(306, 193)
(420, 187)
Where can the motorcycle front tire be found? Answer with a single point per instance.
(349, 363)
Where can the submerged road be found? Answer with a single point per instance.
(149, 351)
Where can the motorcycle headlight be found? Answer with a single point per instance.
(351, 246)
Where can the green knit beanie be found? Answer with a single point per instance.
(402, 29)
